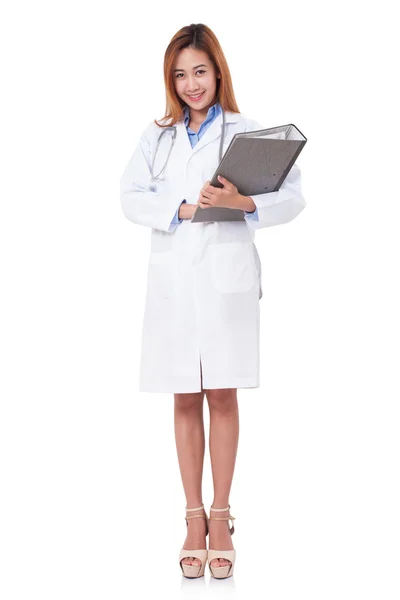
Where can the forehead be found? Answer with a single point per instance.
(189, 58)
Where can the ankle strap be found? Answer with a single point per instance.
(221, 509)
(203, 515)
(228, 518)
(198, 508)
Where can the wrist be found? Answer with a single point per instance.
(182, 210)
(246, 203)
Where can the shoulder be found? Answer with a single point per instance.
(244, 123)
(150, 131)
(252, 124)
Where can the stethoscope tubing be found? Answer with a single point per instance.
(174, 133)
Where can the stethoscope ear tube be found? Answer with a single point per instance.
(174, 133)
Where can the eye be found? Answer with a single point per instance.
(198, 71)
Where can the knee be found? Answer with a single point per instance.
(187, 402)
(222, 400)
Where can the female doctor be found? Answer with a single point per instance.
(201, 322)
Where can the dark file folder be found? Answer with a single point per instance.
(256, 162)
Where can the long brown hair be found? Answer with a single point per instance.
(198, 37)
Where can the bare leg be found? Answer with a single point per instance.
(224, 436)
(190, 445)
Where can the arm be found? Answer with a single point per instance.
(275, 208)
(143, 201)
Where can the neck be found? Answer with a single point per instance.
(197, 120)
(198, 116)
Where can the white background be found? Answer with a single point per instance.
(92, 504)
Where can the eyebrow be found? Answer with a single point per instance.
(193, 68)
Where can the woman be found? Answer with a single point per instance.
(201, 323)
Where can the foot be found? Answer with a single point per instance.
(196, 536)
(220, 537)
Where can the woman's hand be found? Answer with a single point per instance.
(227, 197)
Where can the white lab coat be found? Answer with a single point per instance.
(201, 322)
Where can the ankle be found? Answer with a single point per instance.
(217, 507)
(194, 513)
(220, 503)
(194, 506)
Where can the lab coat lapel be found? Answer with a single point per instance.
(213, 132)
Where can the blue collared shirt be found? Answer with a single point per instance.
(212, 114)
(194, 137)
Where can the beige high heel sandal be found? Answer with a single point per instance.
(193, 571)
(227, 570)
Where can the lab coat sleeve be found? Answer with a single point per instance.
(252, 215)
(176, 218)
(144, 201)
(276, 208)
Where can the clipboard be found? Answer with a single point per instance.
(256, 162)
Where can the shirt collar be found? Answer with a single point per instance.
(214, 110)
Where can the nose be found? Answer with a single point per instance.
(192, 85)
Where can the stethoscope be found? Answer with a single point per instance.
(174, 132)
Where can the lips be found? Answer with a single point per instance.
(196, 97)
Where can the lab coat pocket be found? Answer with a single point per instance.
(161, 242)
(232, 267)
(161, 277)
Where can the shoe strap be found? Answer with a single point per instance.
(202, 516)
(221, 510)
(228, 518)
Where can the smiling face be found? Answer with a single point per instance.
(194, 73)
